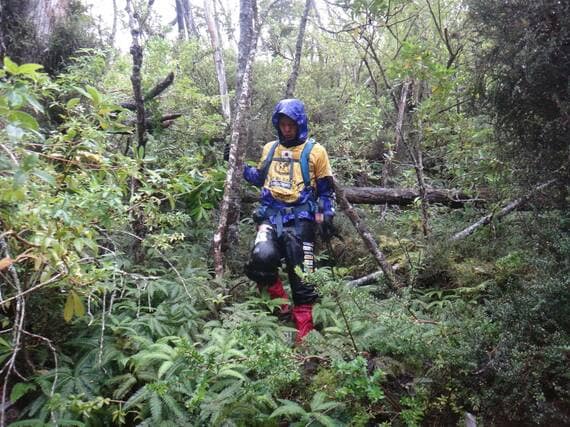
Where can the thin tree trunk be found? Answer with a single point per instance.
(237, 151)
(2, 44)
(114, 28)
(367, 237)
(388, 167)
(138, 222)
(292, 81)
(137, 54)
(189, 22)
(245, 42)
(180, 20)
(218, 60)
(503, 212)
(10, 366)
(417, 158)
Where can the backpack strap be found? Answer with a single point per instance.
(304, 160)
(305, 156)
(268, 160)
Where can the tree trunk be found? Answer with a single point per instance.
(218, 59)
(189, 22)
(2, 43)
(114, 28)
(180, 20)
(388, 168)
(237, 150)
(45, 14)
(138, 222)
(292, 81)
(26, 27)
(398, 196)
(245, 42)
(368, 238)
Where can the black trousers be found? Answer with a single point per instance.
(296, 246)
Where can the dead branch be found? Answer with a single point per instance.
(487, 219)
(367, 237)
(153, 93)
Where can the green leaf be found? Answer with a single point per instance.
(14, 132)
(10, 66)
(95, 95)
(72, 103)
(232, 373)
(44, 176)
(288, 409)
(29, 68)
(164, 368)
(68, 308)
(78, 307)
(20, 178)
(155, 407)
(24, 119)
(20, 389)
(82, 92)
(34, 103)
(325, 420)
(34, 422)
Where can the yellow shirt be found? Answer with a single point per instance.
(284, 178)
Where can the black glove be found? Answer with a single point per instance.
(328, 230)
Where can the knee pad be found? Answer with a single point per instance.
(265, 258)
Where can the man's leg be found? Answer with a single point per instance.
(264, 264)
(298, 251)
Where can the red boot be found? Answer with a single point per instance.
(303, 318)
(276, 291)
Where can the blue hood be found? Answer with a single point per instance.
(295, 110)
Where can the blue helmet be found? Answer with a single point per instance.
(295, 110)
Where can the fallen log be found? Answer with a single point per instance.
(397, 196)
(487, 219)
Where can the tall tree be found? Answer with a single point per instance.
(245, 41)
(185, 20)
(44, 31)
(214, 32)
(292, 81)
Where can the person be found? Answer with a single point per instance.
(297, 195)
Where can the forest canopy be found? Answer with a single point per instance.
(125, 223)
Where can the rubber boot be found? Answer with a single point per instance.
(303, 318)
(276, 291)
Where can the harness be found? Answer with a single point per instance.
(265, 212)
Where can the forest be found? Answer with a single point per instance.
(125, 222)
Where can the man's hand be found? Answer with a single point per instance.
(328, 230)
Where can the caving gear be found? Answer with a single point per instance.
(297, 249)
(303, 318)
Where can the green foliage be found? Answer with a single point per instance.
(525, 61)
(482, 325)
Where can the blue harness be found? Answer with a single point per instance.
(310, 206)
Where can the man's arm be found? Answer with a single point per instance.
(253, 175)
(324, 183)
